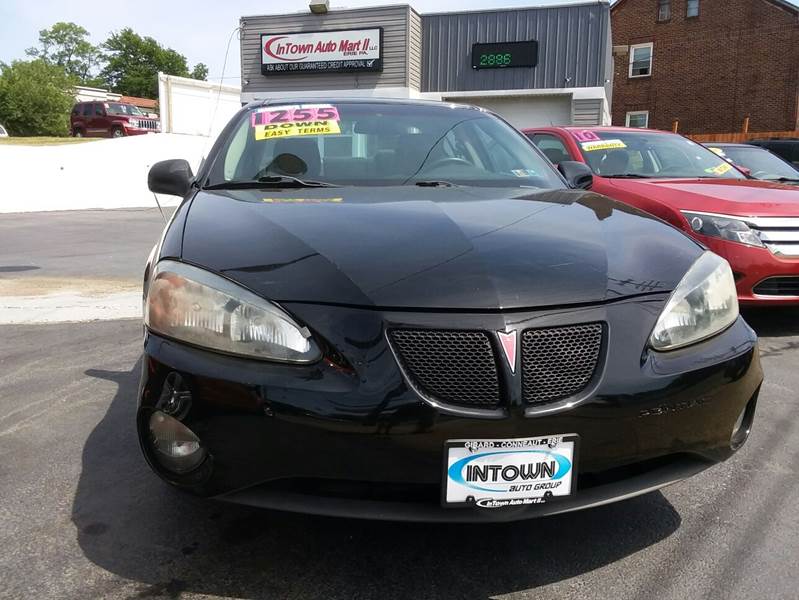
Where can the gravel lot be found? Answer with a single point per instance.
(81, 516)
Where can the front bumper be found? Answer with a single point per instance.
(752, 266)
(359, 442)
(139, 130)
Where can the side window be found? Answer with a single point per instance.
(552, 147)
(98, 110)
(87, 109)
(76, 109)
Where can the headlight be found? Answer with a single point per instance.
(724, 227)
(133, 122)
(198, 307)
(704, 303)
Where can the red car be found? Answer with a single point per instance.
(753, 224)
(110, 119)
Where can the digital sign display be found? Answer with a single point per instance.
(503, 55)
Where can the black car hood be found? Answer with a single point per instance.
(458, 248)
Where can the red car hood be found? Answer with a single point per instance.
(748, 198)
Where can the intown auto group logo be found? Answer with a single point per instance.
(482, 473)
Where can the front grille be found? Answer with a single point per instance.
(778, 286)
(779, 234)
(559, 362)
(148, 124)
(453, 367)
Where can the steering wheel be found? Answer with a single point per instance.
(761, 175)
(451, 160)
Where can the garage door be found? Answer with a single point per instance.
(529, 111)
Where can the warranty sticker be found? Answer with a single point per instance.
(278, 130)
(602, 145)
(719, 169)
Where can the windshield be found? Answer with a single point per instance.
(380, 144)
(115, 108)
(650, 154)
(762, 163)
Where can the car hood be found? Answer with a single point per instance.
(748, 198)
(453, 248)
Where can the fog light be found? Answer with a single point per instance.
(176, 446)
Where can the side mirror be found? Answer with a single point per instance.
(577, 174)
(171, 177)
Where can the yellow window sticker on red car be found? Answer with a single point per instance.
(719, 169)
(277, 130)
(602, 145)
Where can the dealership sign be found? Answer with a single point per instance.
(322, 51)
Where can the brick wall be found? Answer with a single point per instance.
(738, 58)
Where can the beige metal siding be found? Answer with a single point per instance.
(414, 50)
(393, 20)
(587, 112)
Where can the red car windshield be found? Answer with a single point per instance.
(115, 108)
(650, 154)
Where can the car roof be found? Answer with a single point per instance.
(365, 100)
(571, 128)
(726, 145)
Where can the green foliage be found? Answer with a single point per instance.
(35, 98)
(135, 61)
(200, 72)
(67, 45)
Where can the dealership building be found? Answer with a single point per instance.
(534, 66)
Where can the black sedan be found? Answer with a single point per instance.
(401, 310)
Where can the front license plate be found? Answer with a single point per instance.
(512, 472)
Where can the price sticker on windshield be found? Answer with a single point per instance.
(299, 128)
(294, 114)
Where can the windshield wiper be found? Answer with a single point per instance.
(628, 176)
(270, 181)
(434, 183)
(784, 179)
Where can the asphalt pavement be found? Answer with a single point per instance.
(81, 515)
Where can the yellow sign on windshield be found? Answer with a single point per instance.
(297, 128)
(602, 145)
(719, 169)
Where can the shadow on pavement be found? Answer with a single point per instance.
(136, 527)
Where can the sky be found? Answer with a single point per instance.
(198, 29)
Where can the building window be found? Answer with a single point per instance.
(664, 10)
(641, 60)
(692, 8)
(637, 118)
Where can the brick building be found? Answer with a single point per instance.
(707, 63)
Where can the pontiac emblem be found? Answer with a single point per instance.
(508, 343)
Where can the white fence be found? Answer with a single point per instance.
(195, 107)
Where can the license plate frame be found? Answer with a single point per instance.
(507, 452)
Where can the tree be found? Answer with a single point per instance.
(67, 45)
(200, 72)
(35, 98)
(134, 62)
